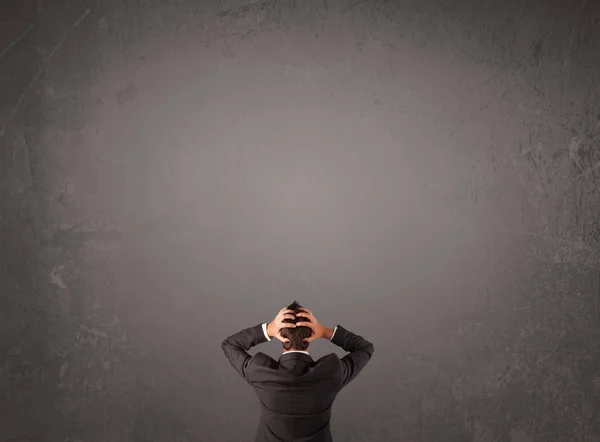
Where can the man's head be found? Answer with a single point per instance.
(298, 334)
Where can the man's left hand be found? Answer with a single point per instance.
(275, 326)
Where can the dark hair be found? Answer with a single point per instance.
(298, 334)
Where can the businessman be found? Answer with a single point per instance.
(296, 392)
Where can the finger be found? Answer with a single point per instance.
(288, 317)
(288, 325)
(304, 324)
(303, 314)
(286, 311)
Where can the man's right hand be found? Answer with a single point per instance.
(318, 331)
(276, 325)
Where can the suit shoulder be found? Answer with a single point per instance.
(260, 356)
(263, 359)
(330, 358)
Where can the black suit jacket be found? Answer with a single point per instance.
(295, 392)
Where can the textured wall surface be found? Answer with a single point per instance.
(424, 173)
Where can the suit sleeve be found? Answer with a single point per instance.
(360, 352)
(237, 345)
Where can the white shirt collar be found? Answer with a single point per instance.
(296, 351)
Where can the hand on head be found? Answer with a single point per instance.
(287, 318)
(274, 328)
(311, 322)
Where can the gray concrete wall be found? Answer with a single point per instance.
(425, 174)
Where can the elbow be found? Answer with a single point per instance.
(370, 350)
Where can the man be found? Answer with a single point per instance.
(296, 393)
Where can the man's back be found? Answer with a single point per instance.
(296, 395)
(296, 392)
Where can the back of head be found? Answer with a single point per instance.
(298, 334)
